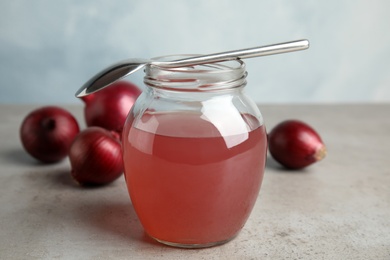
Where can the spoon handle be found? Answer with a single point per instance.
(238, 54)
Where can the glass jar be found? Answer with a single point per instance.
(194, 151)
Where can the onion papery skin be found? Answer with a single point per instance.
(46, 133)
(109, 107)
(96, 157)
(295, 144)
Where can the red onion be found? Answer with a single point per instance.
(108, 108)
(47, 133)
(96, 156)
(295, 144)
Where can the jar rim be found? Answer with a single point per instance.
(206, 77)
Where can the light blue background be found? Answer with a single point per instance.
(48, 49)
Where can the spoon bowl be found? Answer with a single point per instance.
(111, 74)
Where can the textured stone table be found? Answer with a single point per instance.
(336, 209)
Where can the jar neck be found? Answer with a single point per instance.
(216, 77)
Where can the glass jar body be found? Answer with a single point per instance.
(194, 160)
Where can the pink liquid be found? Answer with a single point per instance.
(194, 190)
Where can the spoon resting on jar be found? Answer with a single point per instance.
(126, 67)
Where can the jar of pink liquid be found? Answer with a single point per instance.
(194, 151)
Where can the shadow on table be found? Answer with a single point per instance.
(272, 164)
(116, 218)
(19, 156)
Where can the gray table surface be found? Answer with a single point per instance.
(336, 209)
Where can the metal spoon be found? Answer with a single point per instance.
(126, 67)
